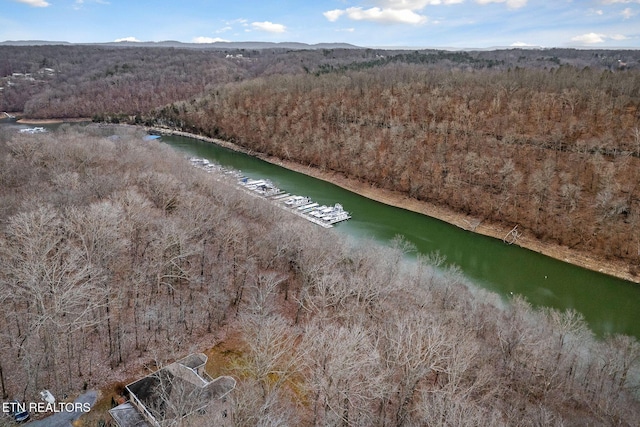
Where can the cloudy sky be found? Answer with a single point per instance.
(371, 23)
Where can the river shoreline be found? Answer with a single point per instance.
(50, 121)
(612, 268)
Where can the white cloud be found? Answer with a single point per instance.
(522, 44)
(628, 13)
(619, 1)
(127, 39)
(333, 15)
(229, 24)
(386, 16)
(389, 11)
(412, 4)
(35, 3)
(269, 27)
(203, 39)
(593, 38)
(589, 38)
(511, 4)
(618, 37)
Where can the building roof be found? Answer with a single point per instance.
(126, 415)
(181, 390)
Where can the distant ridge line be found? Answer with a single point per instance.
(258, 45)
(172, 43)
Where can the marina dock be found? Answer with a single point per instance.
(322, 215)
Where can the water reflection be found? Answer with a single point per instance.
(608, 304)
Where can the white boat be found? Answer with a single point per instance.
(307, 206)
(264, 187)
(198, 162)
(33, 130)
(281, 197)
(252, 182)
(318, 212)
(205, 164)
(267, 189)
(297, 201)
(337, 217)
(334, 212)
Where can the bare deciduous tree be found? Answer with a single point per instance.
(342, 373)
(62, 290)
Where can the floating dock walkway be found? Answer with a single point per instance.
(322, 215)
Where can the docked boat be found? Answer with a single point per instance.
(307, 207)
(264, 187)
(335, 214)
(37, 129)
(296, 201)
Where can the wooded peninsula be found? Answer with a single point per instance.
(546, 140)
(118, 255)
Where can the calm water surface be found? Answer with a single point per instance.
(610, 305)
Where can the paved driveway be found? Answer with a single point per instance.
(64, 419)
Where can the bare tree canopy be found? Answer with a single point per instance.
(116, 253)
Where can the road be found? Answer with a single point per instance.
(64, 419)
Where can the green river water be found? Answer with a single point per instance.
(608, 304)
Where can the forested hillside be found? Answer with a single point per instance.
(81, 81)
(556, 151)
(545, 140)
(117, 254)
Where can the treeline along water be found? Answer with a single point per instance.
(610, 305)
